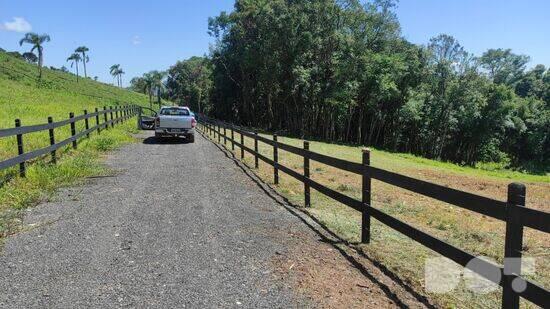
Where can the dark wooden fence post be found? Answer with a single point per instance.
(105, 117)
(242, 144)
(307, 191)
(97, 120)
(365, 220)
(224, 134)
(513, 245)
(86, 123)
(112, 120)
(20, 150)
(52, 140)
(232, 137)
(139, 118)
(73, 129)
(219, 133)
(256, 163)
(276, 160)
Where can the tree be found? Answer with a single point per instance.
(504, 67)
(138, 84)
(85, 59)
(534, 83)
(37, 42)
(188, 83)
(115, 72)
(119, 73)
(30, 57)
(75, 58)
(151, 83)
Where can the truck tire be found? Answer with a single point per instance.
(191, 138)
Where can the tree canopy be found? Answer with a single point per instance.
(340, 70)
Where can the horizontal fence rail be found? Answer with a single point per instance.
(122, 113)
(513, 211)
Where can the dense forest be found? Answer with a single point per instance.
(340, 70)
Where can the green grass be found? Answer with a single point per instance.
(44, 178)
(57, 94)
(462, 228)
(400, 162)
(22, 96)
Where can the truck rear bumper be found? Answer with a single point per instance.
(174, 131)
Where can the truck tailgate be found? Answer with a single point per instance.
(176, 122)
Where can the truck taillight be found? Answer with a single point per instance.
(157, 122)
(193, 123)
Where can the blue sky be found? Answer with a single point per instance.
(147, 35)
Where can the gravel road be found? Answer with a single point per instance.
(179, 225)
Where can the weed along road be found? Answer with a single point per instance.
(176, 225)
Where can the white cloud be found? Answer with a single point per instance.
(19, 24)
(136, 40)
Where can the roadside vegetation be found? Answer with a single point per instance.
(43, 178)
(341, 71)
(32, 99)
(24, 96)
(462, 228)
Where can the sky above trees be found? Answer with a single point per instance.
(153, 35)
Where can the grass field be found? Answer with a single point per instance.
(23, 96)
(467, 230)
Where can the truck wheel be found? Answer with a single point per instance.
(191, 138)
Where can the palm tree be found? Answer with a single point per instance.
(37, 42)
(83, 50)
(120, 72)
(159, 85)
(153, 84)
(75, 58)
(114, 72)
(149, 80)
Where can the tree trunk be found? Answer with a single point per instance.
(84, 62)
(40, 62)
(150, 98)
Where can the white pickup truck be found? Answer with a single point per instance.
(173, 121)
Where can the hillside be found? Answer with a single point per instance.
(23, 96)
(58, 93)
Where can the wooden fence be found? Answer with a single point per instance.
(513, 211)
(104, 119)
